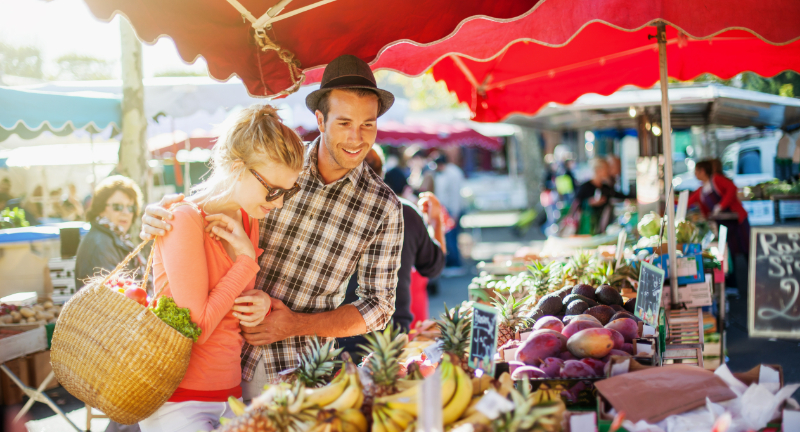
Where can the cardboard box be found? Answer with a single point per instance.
(12, 394)
(38, 369)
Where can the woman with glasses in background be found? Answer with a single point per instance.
(115, 202)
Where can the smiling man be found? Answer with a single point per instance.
(343, 218)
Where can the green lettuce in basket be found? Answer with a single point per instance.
(176, 317)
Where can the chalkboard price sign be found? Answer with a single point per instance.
(648, 294)
(774, 285)
(483, 338)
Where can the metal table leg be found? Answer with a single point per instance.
(37, 395)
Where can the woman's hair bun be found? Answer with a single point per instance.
(269, 110)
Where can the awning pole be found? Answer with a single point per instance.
(666, 136)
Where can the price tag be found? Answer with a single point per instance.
(620, 252)
(644, 348)
(687, 266)
(620, 368)
(723, 238)
(584, 422)
(429, 404)
(707, 239)
(483, 338)
(683, 202)
(433, 352)
(492, 405)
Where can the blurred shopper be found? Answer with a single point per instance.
(449, 181)
(421, 176)
(71, 208)
(615, 178)
(116, 202)
(591, 210)
(718, 202)
(5, 192)
(421, 255)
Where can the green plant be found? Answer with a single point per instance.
(13, 218)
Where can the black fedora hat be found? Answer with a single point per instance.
(349, 71)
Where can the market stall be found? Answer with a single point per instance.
(35, 261)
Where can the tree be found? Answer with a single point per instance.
(783, 84)
(80, 67)
(23, 61)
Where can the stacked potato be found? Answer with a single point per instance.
(45, 311)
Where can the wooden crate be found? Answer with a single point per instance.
(32, 339)
(38, 369)
(12, 395)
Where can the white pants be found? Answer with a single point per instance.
(256, 385)
(189, 416)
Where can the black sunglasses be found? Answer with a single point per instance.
(119, 207)
(275, 193)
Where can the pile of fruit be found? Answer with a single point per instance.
(165, 308)
(579, 349)
(12, 314)
(383, 392)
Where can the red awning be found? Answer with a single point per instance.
(223, 31)
(601, 60)
(427, 135)
(564, 48)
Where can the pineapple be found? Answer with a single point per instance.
(580, 267)
(541, 278)
(317, 363)
(511, 319)
(455, 326)
(528, 416)
(383, 349)
(602, 273)
(275, 410)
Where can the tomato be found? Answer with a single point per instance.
(137, 294)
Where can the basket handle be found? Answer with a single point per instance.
(127, 259)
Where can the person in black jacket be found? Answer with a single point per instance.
(116, 201)
(420, 251)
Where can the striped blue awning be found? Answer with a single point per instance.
(29, 113)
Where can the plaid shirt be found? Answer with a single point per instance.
(313, 245)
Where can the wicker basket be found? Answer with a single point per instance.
(115, 355)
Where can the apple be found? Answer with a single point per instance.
(138, 295)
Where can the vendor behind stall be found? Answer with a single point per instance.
(116, 202)
(718, 202)
(591, 210)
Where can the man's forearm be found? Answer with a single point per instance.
(342, 322)
(438, 234)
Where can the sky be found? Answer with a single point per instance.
(61, 27)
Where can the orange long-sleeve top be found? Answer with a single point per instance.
(202, 277)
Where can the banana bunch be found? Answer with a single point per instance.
(545, 394)
(343, 393)
(396, 412)
(349, 420)
(471, 415)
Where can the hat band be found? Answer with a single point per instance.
(349, 81)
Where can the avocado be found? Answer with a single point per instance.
(577, 307)
(602, 313)
(550, 304)
(617, 307)
(607, 295)
(535, 314)
(630, 305)
(563, 292)
(625, 314)
(584, 290)
(572, 297)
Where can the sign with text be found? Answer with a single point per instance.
(760, 212)
(483, 338)
(648, 294)
(774, 285)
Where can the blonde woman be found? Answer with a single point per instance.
(254, 168)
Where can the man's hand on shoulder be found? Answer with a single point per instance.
(155, 217)
(280, 324)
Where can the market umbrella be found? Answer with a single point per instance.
(268, 44)
(620, 30)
